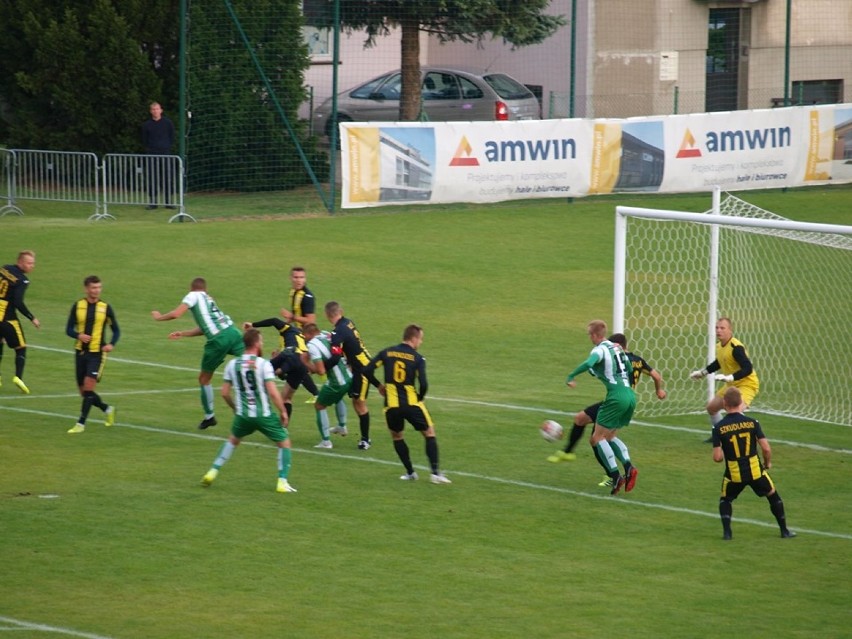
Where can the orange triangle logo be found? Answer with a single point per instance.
(464, 155)
(687, 147)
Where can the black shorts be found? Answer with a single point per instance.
(89, 365)
(592, 411)
(360, 387)
(12, 333)
(761, 486)
(416, 415)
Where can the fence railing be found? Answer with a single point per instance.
(67, 176)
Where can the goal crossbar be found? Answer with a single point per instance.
(679, 271)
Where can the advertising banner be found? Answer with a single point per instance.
(442, 162)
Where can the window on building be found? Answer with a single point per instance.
(317, 37)
(723, 59)
(817, 92)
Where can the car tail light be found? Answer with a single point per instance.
(501, 111)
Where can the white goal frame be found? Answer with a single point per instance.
(715, 221)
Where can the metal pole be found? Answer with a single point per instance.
(182, 84)
(787, 100)
(572, 68)
(335, 62)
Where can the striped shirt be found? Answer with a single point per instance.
(248, 375)
(319, 350)
(92, 318)
(613, 367)
(206, 314)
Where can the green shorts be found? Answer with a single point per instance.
(269, 426)
(617, 408)
(329, 395)
(228, 342)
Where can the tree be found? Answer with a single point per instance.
(237, 140)
(518, 22)
(75, 75)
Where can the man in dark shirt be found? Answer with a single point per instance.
(13, 285)
(87, 324)
(404, 387)
(736, 440)
(346, 336)
(158, 137)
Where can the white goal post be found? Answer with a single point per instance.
(786, 286)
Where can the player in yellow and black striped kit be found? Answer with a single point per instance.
(87, 324)
(404, 388)
(13, 285)
(736, 440)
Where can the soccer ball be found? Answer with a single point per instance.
(551, 430)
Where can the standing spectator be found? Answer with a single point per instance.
(589, 414)
(302, 302)
(223, 338)
(87, 324)
(735, 369)
(158, 138)
(736, 439)
(345, 335)
(320, 360)
(249, 389)
(404, 388)
(609, 363)
(13, 286)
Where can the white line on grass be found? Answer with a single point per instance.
(18, 624)
(498, 480)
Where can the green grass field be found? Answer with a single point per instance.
(108, 534)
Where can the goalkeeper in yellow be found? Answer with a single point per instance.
(732, 366)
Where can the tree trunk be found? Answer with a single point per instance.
(409, 104)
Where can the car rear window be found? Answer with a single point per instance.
(506, 87)
(386, 87)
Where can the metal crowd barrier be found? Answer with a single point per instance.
(7, 185)
(149, 180)
(67, 176)
(58, 176)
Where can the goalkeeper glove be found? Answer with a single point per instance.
(698, 374)
(724, 378)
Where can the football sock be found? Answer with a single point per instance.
(432, 454)
(97, 402)
(608, 457)
(715, 418)
(207, 400)
(20, 360)
(284, 459)
(621, 452)
(776, 505)
(574, 437)
(340, 411)
(224, 455)
(600, 459)
(90, 398)
(726, 510)
(404, 455)
(364, 425)
(322, 423)
(288, 406)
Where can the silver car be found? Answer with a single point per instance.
(448, 95)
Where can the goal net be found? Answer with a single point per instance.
(784, 284)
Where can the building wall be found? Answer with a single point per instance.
(619, 50)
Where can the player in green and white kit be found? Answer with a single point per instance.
(321, 359)
(610, 364)
(249, 389)
(223, 338)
